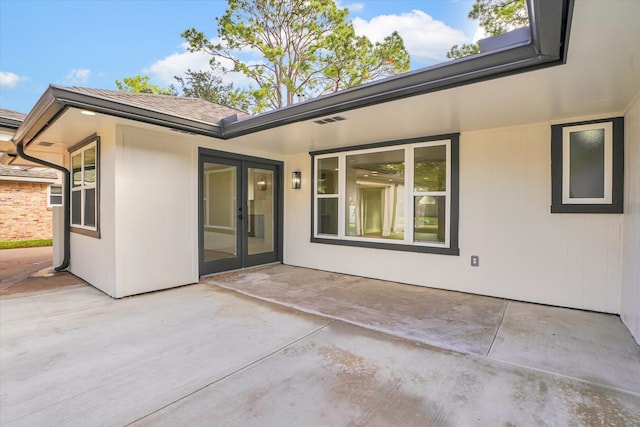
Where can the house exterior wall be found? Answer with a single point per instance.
(156, 216)
(93, 259)
(526, 253)
(148, 212)
(24, 214)
(630, 305)
(156, 208)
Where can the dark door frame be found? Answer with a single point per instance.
(244, 162)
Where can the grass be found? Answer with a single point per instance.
(26, 244)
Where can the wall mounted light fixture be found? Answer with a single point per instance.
(296, 180)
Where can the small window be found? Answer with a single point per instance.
(587, 162)
(399, 195)
(54, 196)
(84, 187)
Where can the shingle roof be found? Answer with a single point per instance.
(25, 172)
(11, 119)
(10, 114)
(190, 108)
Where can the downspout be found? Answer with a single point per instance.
(66, 199)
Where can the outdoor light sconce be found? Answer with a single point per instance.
(296, 180)
(261, 185)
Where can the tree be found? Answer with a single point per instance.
(307, 46)
(140, 84)
(210, 86)
(495, 17)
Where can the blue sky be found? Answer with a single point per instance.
(93, 43)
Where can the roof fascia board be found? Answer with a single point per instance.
(549, 34)
(122, 110)
(39, 118)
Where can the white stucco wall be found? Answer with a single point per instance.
(526, 253)
(92, 259)
(154, 211)
(630, 309)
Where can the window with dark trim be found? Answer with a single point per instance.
(85, 197)
(54, 195)
(587, 161)
(398, 195)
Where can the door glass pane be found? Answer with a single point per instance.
(260, 226)
(219, 216)
(586, 165)
(375, 195)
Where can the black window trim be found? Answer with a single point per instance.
(557, 168)
(78, 230)
(454, 216)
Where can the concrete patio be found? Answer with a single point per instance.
(308, 348)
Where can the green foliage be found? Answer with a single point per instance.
(17, 244)
(308, 49)
(463, 50)
(210, 86)
(140, 84)
(496, 17)
(499, 16)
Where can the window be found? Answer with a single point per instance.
(400, 195)
(84, 187)
(587, 166)
(54, 195)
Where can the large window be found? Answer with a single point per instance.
(84, 187)
(399, 195)
(587, 162)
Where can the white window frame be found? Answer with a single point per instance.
(608, 163)
(52, 205)
(409, 195)
(83, 187)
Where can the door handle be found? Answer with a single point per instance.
(240, 212)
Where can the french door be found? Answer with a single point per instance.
(240, 211)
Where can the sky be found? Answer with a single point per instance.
(93, 43)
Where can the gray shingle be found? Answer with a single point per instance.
(26, 172)
(189, 108)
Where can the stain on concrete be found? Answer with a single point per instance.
(594, 406)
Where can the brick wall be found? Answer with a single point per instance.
(24, 213)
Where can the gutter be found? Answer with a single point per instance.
(67, 195)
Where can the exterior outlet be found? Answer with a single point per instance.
(475, 261)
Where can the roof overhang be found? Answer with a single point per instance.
(547, 46)
(515, 84)
(550, 22)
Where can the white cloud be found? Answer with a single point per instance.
(426, 39)
(164, 70)
(78, 76)
(479, 34)
(10, 80)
